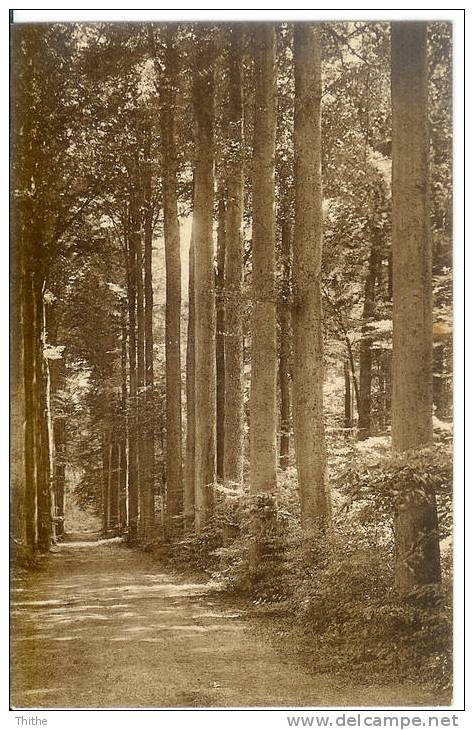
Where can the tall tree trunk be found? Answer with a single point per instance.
(386, 358)
(18, 484)
(189, 485)
(114, 483)
(29, 366)
(347, 397)
(25, 231)
(285, 332)
(263, 459)
(59, 426)
(220, 336)
(417, 558)
(123, 499)
(110, 473)
(355, 385)
(205, 331)
(234, 265)
(140, 315)
(174, 469)
(308, 372)
(123, 467)
(365, 360)
(440, 391)
(42, 440)
(141, 400)
(106, 443)
(133, 389)
(49, 436)
(149, 481)
(263, 453)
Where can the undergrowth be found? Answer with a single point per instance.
(340, 611)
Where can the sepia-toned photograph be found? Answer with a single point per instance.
(231, 364)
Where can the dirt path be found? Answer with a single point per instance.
(100, 626)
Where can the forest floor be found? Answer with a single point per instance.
(101, 625)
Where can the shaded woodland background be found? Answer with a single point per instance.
(231, 317)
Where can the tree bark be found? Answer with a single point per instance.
(285, 339)
(42, 439)
(133, 504)
(205, 373)
(59, 426)
(106, 445)
(18, 484)
(174, 472)
(25, 231)
(263, 459)
(189, 485)
(140, 311)
(149, 432)
(141, 399)
(29, 367)
(417, 560)
(234, 266)
(441, 396)
(347, 397)
(220, 336)
(123, 499)
(308, 371)
(365, 358)
(116, 484)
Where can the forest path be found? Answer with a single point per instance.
(100, 625)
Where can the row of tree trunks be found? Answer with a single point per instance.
(217, 346)
(38, 501)
(136, 456)
(33, 406)
(416, 530)
(416, 522)
(31, 414)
